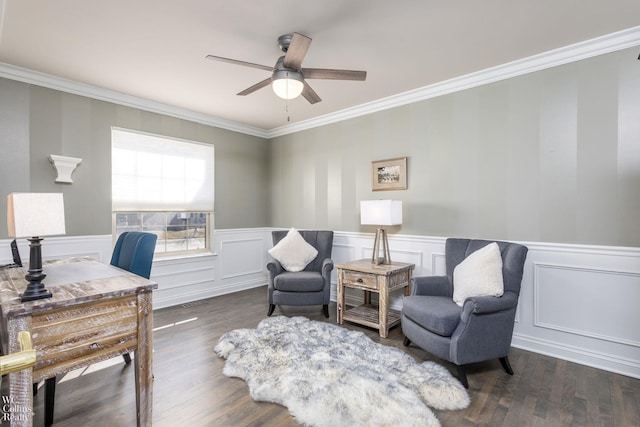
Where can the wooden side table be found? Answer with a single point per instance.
(368, 277)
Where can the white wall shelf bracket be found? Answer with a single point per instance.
(64, 166)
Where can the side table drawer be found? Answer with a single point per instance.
(359, 280)
(77, 336)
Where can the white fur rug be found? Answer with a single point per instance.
(328, 375)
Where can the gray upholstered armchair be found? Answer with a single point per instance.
(479, 330)
(311, 286)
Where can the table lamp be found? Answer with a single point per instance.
(381, 212)
(34, 215)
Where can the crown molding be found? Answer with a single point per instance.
(572, 53)
(583, 50)
(25, 75)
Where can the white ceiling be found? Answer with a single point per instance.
(156, 49)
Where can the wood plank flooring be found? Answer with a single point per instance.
(190, 389)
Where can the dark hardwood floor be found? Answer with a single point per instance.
(190, 389)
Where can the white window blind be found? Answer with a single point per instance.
(154, 173)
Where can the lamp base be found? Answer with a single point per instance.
(381, 240)
(35, 289)
(35, 292)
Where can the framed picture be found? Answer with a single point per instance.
(390, 174)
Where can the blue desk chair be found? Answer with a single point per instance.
(133, 252)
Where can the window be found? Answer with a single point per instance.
(163, 186)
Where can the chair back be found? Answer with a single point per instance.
(513, 258)
(322, 240)
(134, 252)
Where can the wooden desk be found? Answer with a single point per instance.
(97, 312)
(378, 278)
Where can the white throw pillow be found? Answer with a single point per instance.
(480, 274)
(293, 252)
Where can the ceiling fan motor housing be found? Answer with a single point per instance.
(282, 72)
(284, 42)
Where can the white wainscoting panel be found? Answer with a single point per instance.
(97, 247)
(238, 263)
(343, 252)
(577, 302)
(182, 280)
(411, 249)
(241, 257)
(438, 264)
(595, 303)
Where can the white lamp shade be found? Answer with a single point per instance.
(380, 212)
(35, 214)
(287, 88)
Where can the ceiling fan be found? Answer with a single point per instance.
(288, 76)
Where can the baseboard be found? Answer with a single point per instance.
(605, 361)
(164, 300)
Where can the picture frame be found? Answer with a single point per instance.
(389, 174)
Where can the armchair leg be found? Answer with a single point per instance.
(462, 376)
(271, 308)
(325, 310)
(504, 361)
(406, 342)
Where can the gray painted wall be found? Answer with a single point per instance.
(36, 122)
(552, 156)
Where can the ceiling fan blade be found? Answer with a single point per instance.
(235, 61)
(296, 51)
(255, 87)
(321, 73)
(309, 94)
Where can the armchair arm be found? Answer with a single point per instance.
(327, 266)
(431, 285)
(274, 268)
(489, 304)
(485, 329)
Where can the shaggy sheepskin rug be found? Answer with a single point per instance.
(327, 375)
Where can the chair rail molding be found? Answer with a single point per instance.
(576, 302)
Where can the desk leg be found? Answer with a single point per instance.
(19, 410)
(144, 361)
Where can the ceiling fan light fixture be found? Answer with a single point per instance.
(287, 84)
(288, 77)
